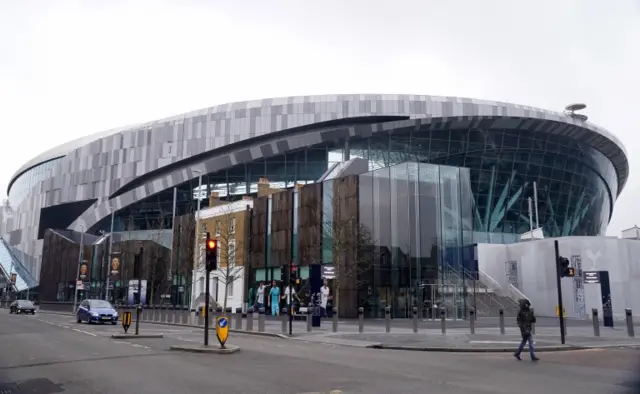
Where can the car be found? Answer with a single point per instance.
(96, 311)
(22, 306)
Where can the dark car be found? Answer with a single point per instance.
(97, 311)
(22, 306)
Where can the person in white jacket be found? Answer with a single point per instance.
(324, 297)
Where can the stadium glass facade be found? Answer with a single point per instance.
(574, 181)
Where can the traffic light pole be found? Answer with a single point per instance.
(559, 284)
(206, 308)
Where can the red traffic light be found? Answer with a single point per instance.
(211, 244)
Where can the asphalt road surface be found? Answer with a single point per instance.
(52, 353)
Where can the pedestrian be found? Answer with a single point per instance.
(275, 298)
(259, 298)
(526, 319)
(324, 297)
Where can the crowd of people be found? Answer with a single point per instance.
(274, 299)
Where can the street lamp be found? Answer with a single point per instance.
(196, 251)
(80, 261)
(106, 293)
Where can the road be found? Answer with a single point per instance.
(52, 353)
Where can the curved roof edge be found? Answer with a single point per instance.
(66, 148)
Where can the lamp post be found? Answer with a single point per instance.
(106, 293)
(196, 248)
(80, 261)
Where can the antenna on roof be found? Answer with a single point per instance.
(570, 110)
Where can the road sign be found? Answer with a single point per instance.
(126, 321)
(591, 277)
(222, 330)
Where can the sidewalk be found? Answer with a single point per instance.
(456, 339)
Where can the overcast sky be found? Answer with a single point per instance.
(71, 68)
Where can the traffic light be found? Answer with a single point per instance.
(563, 268)
(212, 253)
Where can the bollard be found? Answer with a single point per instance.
(250, 317)
(309, 319)
(596, 323)
(335, 320)
(285, 320)
(229, 317)
(163, 315)
(630, 328)
(186, 313)
(472, 321)
(361, 320)
(533, 325)
(155, 314)
(387, 319)
(261, 320)
(415, 319)
(443, 321)
(501, 312)
(172, 315)
(238, 323)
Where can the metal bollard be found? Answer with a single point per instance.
(238, 325)
(630, 329)
(250, 317)
(533, 325)
(261, 320)
(335, 320)
(387, 319)
(596, 322)
(501, 312)
(163, 315)
(229, 317)
(309, 319)
(285, 320)
(415, 319)
(472, 321)
(443, 321)
(361, 320)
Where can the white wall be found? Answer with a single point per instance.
(235, 301)
(536, 272)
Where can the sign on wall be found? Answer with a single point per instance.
(511, 270)
(591, 277)
(579, 305)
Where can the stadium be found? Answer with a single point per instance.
(579, 169)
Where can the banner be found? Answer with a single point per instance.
(84, 272)
(115, 266)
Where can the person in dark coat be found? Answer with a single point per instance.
(526, 319)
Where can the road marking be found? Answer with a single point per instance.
(84, 332)
(501, 342)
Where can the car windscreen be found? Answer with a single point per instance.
(25, 303)
(100, 304)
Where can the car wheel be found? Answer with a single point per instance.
(79, 320)
(113, 323)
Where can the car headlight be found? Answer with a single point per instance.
(115, 314)
(95, 314)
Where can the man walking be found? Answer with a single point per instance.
(526, 319)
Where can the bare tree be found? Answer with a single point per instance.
(351, 243)
(228, 245)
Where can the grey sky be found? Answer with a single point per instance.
(71, 68)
